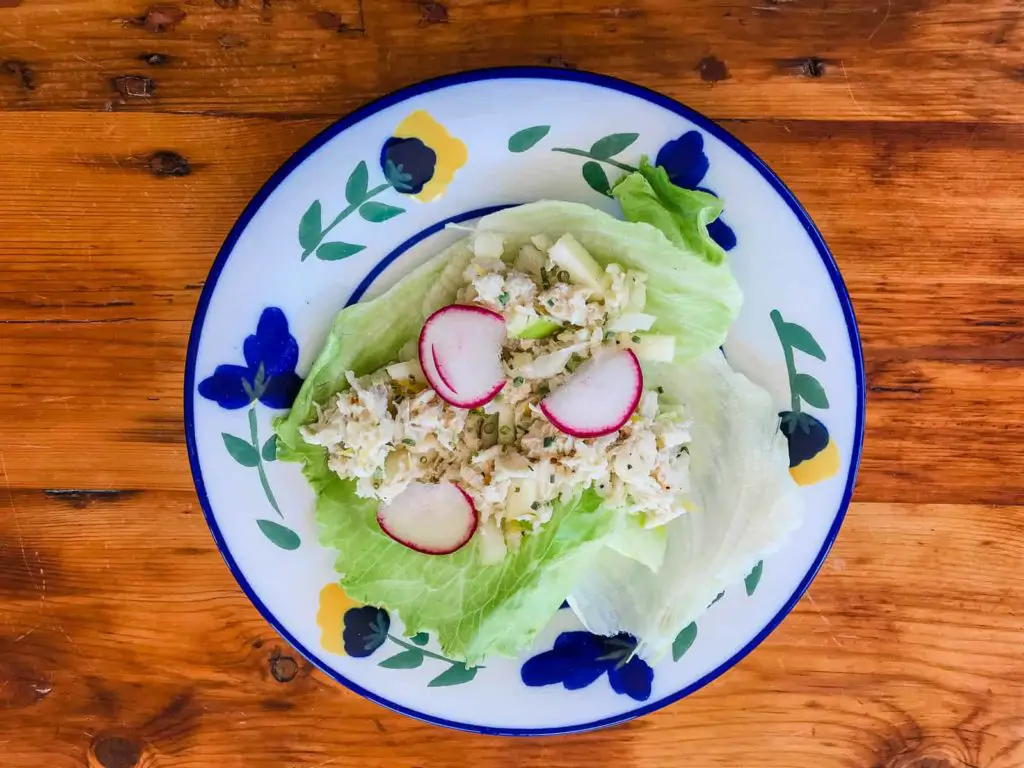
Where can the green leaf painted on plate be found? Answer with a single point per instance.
(310, 228)
(283, 537)
(683, 641)
(810, 390)
(456, 674)
(520, 141)
(337, 251)
(358, 182)
(421, 638)
(378, 212)
(595, 176)
(800, 338)
(611, 145)
(718, 597)
(754, 578)
(241, 450)
(269, 451)
(405, 660)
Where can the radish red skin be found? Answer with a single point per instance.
(612, 427)
(433, 366)
(473, 522)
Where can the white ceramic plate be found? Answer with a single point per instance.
(470, 143)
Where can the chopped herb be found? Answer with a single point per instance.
(518, 381)
(552, 478)
(535, 506)
(517, 489)
(505, 430)
(423, 459)
(550, 302)
(376, 484)
(629, 466)
(574, 362)
(618, 342)
(636, 339)
(503, 298)
(548, 442)
(543, 389)
(660, 389)
(609, 335)
(563, 276)
(544, 280)
(398, 399)
(683, 450)
(409, 441)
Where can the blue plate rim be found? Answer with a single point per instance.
(522, 73)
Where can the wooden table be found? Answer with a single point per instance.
(132, 138)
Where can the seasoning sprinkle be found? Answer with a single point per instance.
(409, 441)
(548, 442)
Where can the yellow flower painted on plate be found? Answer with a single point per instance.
(420, 158)
(334, 603)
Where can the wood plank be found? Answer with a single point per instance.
(945, 385)
(120, 622)
(954, 60)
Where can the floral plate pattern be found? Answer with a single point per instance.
(368, 200)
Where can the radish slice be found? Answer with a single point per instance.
(460, 353)
(599, 398)
(434, 519)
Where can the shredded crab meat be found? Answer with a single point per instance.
(384, 432)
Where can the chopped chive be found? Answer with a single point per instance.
(552, 478)
(550, 302)
(563, 276)
(518, 381)
(544, 278)
(409, 441)
(423, 459)
(503, 298)
(535, 506)
(548, 442)
(517, 489)
(636, 339)
(660, 389)
(629, 466)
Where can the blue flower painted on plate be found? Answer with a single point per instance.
(365, 630)
(686, 164)
(580, 658)
(268, 375)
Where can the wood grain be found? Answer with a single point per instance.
(948, 60)
(135, 133)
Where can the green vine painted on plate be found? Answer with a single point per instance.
(753, 578)
(802, 386)
(359, 196)
(414, 654)
(601, 151)
(684, 640)
(520, 141)
(252, 454)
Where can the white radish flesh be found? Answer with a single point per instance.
(599, 398)
(434, 519)
(460, 354)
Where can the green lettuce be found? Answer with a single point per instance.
(477, 610)
(681, 214)
(747, 504)
(694, 300)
